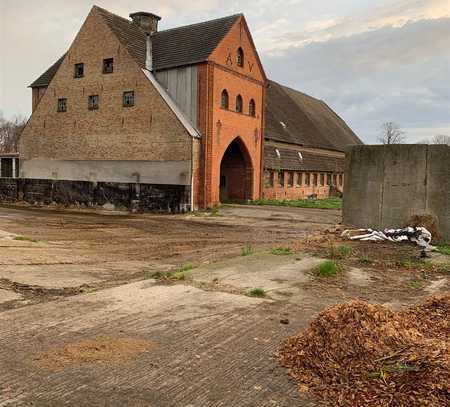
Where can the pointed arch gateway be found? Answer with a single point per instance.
(236, 173)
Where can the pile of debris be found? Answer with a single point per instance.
(359, 354)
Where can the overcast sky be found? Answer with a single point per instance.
(371, 60)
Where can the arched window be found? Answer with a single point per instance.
(240, 57)
(225, 99)
(239, 103)
(252, 108)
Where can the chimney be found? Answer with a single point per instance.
(147, 21)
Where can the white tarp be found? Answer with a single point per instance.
(418, 235)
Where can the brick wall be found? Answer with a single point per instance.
(147, 131)
(221, 127)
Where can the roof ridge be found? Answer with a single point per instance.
(298, 91)
(202, 22)
(173, 28)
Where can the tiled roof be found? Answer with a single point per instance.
(48, 75)
(290, 160)
(296, 118)
(180, 46)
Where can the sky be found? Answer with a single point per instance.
(372, 61)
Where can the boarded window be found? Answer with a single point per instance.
(108, 65)
(341, 179)
(128, 98)
(308, 179)
(252, 108)
(239, 103)
(328, 179)
(268, 179)
(290, 179)
(62, 105)
(322, 179)
(281, 178)
(225, 99)
(315, 179)
(298, 178)
(93, 102)
(335, 179)
(79, 70)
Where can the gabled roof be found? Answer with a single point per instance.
(296, 118)
(181, 46)
(48, 75)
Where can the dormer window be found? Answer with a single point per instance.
(239, 103)
(252, 108)
(224, 100)
(108, 65)
(240, 57)
(79, 70)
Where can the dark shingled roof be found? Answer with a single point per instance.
(48, 75)
(290, 160)
(295, 118)
(187, 45)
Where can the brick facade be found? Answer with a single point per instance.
(146, 131)
(222, 127)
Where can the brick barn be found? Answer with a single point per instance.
(173, 120)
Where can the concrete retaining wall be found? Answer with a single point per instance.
(386, 185)
(131, 196)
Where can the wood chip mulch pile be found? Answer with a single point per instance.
(359, 354)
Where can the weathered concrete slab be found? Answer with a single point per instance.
(211, 349)
(7, 295)
(265, 270)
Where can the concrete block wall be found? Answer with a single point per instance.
(386, 185)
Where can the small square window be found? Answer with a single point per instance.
(62, 105)
(79, 70)
(108, 65)
(128, 99)
(93, 102)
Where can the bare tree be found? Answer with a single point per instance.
(10, 131)
(440, 139)
(391, 134)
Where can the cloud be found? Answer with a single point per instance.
(390, 74)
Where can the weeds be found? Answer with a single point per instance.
(341, 252)
(183, 272)
(444, 249)
(415, 285)
(329, 203)
(247, 250)
(256, 292)
(281, 251)
(328, 268)
(25, 239)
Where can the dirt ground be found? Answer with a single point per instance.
(90, 314)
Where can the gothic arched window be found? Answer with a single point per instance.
(239, 103)
(225, 99)
(252, 108)
(240, 57)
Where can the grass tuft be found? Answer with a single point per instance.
(365, 259)
(256, 292)
(247, 250)
(415, 285)
(25, 239)
(328, 203)
(328, 268)
(444, 249)
(281, 251)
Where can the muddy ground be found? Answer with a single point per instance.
(91, 314)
